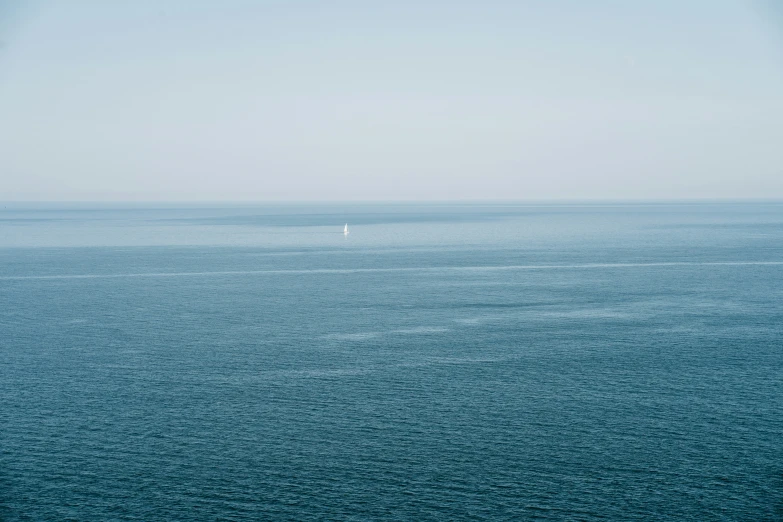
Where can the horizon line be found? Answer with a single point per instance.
(393, 201)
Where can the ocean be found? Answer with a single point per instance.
(581, 361)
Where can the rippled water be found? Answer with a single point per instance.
(442, 362)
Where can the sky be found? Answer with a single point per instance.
(294, 100)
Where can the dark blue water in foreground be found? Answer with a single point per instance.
(619, 362)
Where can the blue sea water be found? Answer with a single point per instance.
(442, 362)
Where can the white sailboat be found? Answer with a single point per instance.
(345, 230)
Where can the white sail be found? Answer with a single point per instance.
(345, 230)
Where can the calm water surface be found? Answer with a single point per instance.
(442, 362)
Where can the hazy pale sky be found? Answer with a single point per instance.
(404, 100)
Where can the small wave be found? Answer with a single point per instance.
(421, 330)
(323, 372)
(363, 336)
(465, 360)
(590, 313)
(359, 336)
(483, 319)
